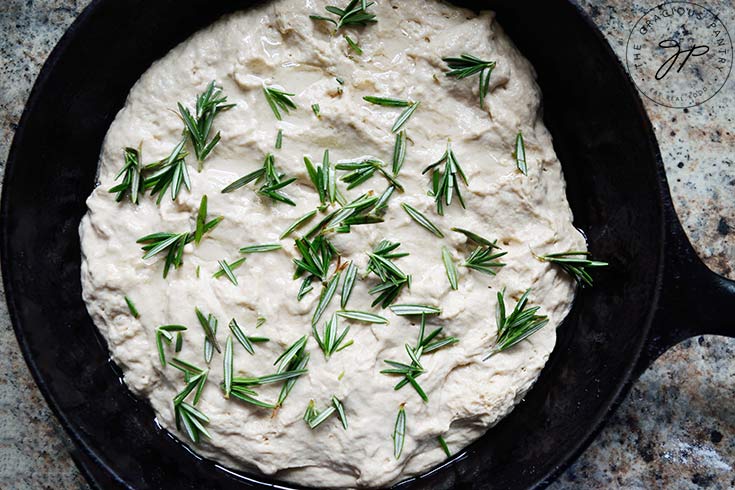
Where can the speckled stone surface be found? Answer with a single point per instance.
(675, 429)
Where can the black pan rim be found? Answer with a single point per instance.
(616, 396)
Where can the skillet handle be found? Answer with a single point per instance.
(693, 300)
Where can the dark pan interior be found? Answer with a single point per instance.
(601, 134)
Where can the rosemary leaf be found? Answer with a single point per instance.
(476, 238)
(451, 268)
(340, 411)
(353, 45)
(241, 337)
(327, 294)
(387, 101)
(362, 316)
(232, 266)
(207, 325)
(228, 366)
(421, 219)
(414, 310)
(444, 446)
(405, 115)
(132, 308)
(297, 224)
(264, 247)
(227, 271)
(279, 139)
(399, 432)
(399, 152)
(520, 154)
(348, 283)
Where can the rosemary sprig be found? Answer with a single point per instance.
(425, 344)
(292, 352)
(354, 14)
(357, 212)
(231, 266)
(130, 172)
(360, 171)
(173, 244)
(279, 100)
(198, 127)
(168, 172)
(353, 45)
(362, 316)
(348, 283)
(399, 432)
(133, 309)
(520, 154)
(518, 326)
(392, 278)
(272, 181)
(575, 263)
(316, 256)
(331, 340)
(324, 179)
(260, 248)
(193, 421)
(451, 268)
(242, 387)
(164, 333)
(410, 108)
(399, 152)
(244, 340)
(467, 65)
(194, 377)
(298, 224)
(421, 219)
(209, 325)
(445, 184)
(483, 259)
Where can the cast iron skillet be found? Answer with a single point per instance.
(655, 293)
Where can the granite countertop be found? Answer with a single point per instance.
(676, 427)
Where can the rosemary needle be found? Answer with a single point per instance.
(399, 432)
(421, 219)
